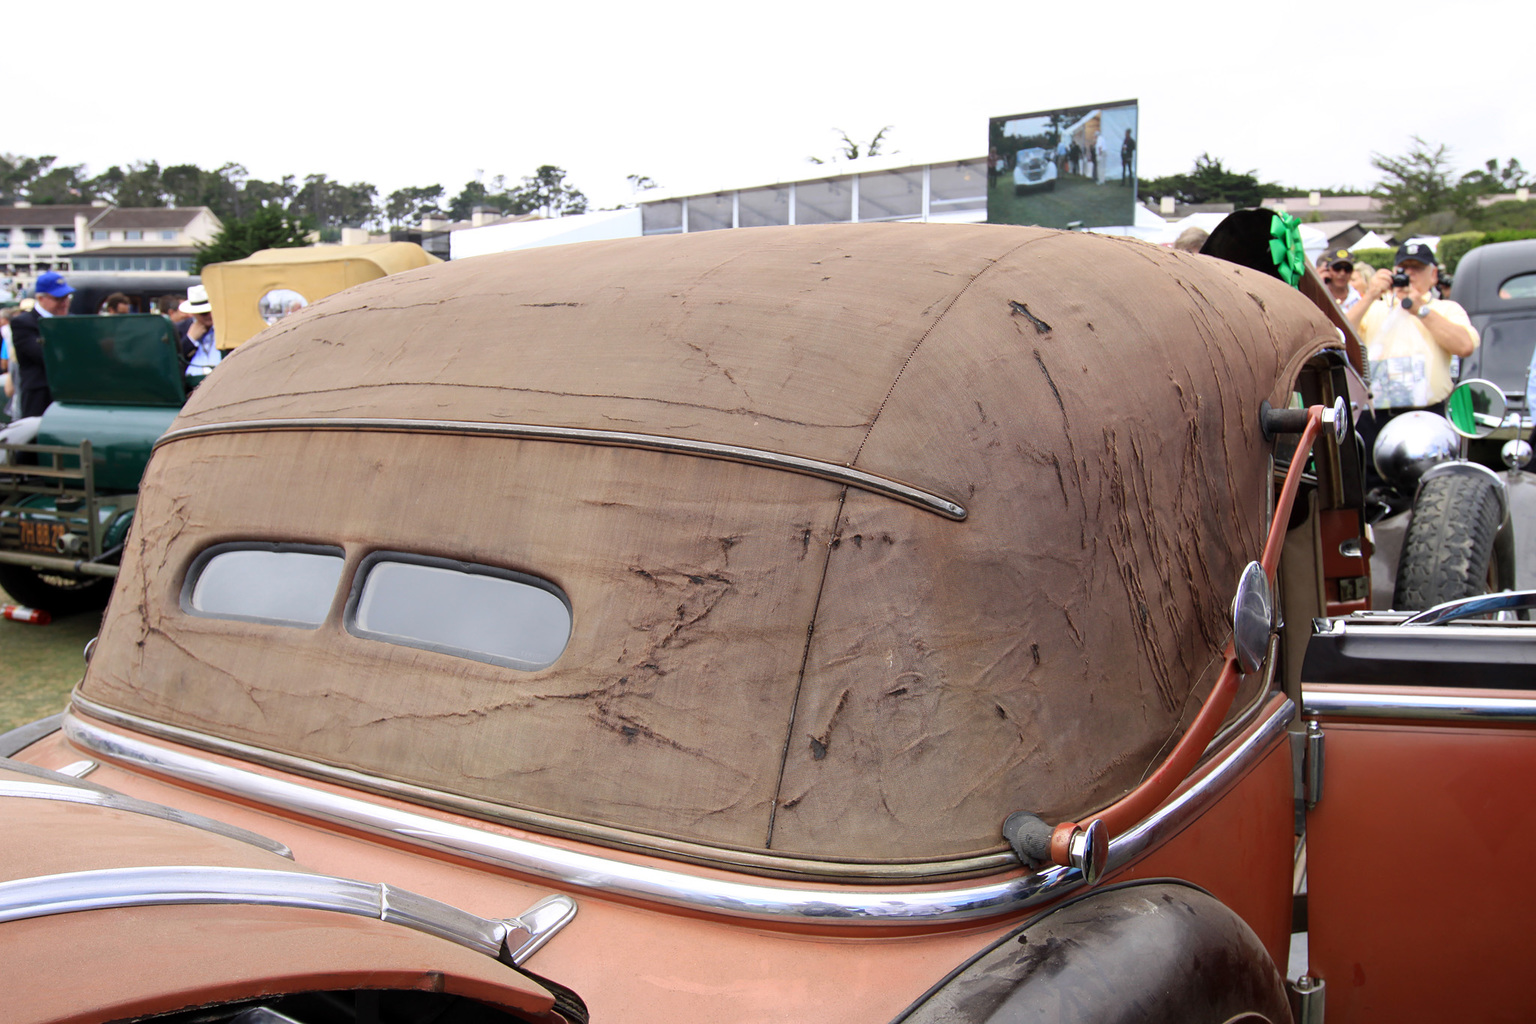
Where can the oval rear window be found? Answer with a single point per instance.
(1521, 286)
(285, 585)
(470, 611)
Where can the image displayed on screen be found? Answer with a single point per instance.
(1067, 168)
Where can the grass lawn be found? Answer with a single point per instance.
(39, 665)
(1072, 199)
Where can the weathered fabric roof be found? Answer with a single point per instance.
(762, 662)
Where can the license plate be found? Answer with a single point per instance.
(40, 536)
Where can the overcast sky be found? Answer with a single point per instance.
(716, 95)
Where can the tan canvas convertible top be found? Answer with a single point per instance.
(1024, 469)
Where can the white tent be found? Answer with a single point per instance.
(1371, 241)
(527, 234)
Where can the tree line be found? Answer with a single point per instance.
(315, 200)
(1419, 190)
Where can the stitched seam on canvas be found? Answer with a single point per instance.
(931, 328)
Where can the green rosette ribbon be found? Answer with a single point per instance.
(1285, 248)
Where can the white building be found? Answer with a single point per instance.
(102, 237)
(887, 188)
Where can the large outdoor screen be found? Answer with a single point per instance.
(1064, 168)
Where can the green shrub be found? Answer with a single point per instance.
(1377, 258)
(1508, 235)
(1453, 247)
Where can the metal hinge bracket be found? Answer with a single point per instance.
(1307, 771)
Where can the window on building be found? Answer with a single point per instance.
(891, 195)
(99, 235)
(168, 236)
(954, 188)
(710, 213)
(133, 235)
(763, 207)
(824, 202)
(661, 218)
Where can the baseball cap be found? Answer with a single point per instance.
(1344, 256)
(51, 282)
(1416, 251)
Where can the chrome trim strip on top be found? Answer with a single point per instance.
(1426, 706)
(868, 906)
(613, 438)
(893, 873)
(19, 790)
(180, 885)
(1479, 604)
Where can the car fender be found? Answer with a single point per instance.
(1143, 951)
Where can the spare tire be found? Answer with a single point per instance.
(1450, 545)
(58, 594)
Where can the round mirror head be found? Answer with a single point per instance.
(1411, 443)
(278, 303)
(1475, 408)
(1516, 454)
(1253, 616)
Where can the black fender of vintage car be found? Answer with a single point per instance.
(1152, 951)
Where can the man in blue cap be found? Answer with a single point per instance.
(52, 299)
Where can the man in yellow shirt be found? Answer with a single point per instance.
(1410, 336)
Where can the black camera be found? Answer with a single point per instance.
(1399, 280)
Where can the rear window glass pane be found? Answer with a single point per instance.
(282, 586)
(478, 612)
(1521, 287)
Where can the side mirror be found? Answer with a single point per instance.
(1476, 408)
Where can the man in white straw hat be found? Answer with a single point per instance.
(197, 342)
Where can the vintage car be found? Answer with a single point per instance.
(1496, 285)
(252, 294)
(883, 622)
(117, 383)
(69, 479)
(1033, 170)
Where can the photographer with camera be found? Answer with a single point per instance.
(1410, 336)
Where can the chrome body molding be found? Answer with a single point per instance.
(179, 885)
(1478, 604)
(24, 790)
(1459, 708)
(861, 906)
(831, 471)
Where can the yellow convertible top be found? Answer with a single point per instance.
(237, 288)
